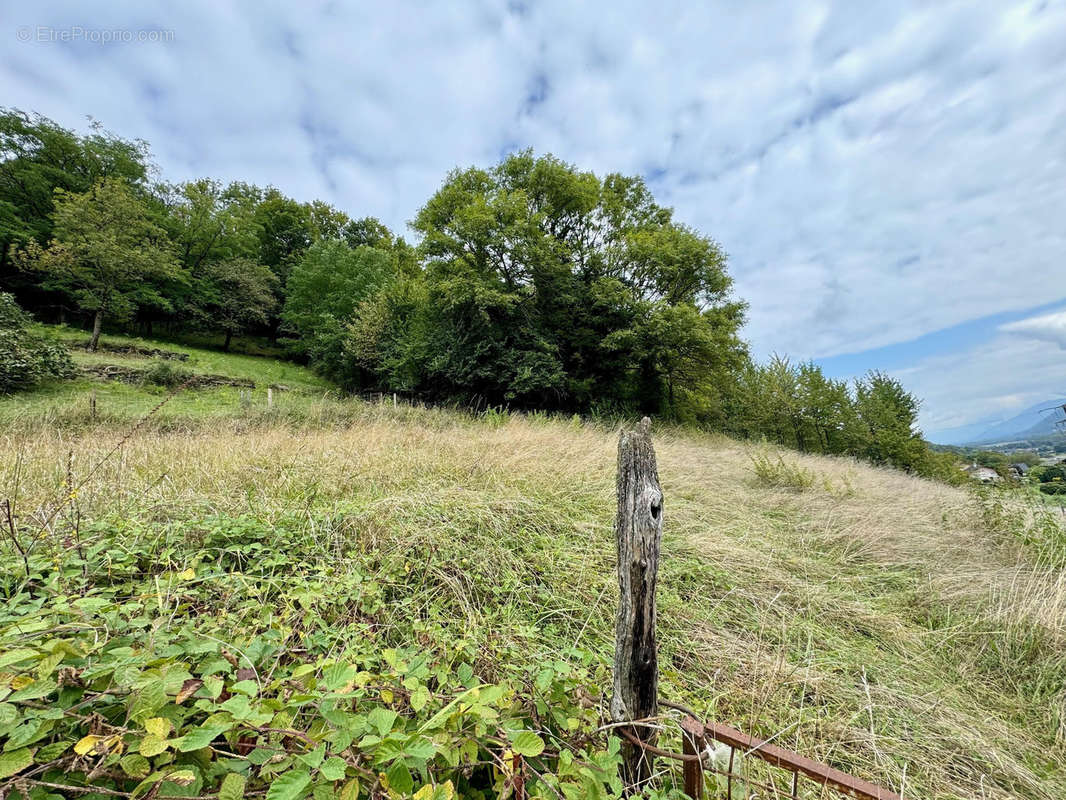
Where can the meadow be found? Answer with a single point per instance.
(334, 597)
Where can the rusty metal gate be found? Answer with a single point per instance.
(696, 736)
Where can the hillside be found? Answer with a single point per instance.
(395, 596)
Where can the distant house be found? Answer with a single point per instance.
(1020, 470)
(982, 474)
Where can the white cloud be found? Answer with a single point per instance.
(994, 380)
(875, 171)
(1048, 328)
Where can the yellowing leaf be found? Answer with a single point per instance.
(188, 689)
(183, 777)
(186, 575)
(158, 726)
(350, 791)
(86, 745)
(152, 746)
(21, 682)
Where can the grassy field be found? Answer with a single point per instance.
(905, 631)
(67, 402)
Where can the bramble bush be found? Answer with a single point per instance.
(26, 359)
(120, 669)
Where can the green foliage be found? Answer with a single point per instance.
(235, 295)
(112, 676)
(1053, 474)
(535, 285)
(779, 473)
(107, 252)
(166, 374)
(553, 288)
(38, 156)
(27, 359)
(798, 406)
(325, 291)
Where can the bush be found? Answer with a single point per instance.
(1053, 488)
(782, 474)
(166, 374)
(1050, 474)
(26, 359)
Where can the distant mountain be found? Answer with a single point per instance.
(1031, 422)
(960, 435)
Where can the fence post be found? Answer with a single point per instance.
(92, 405)
(638, 533)
(270, 396)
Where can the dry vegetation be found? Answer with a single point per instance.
(897, 628)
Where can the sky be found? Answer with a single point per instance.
(888, 178)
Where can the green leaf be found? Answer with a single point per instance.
(314, 758)
(158, 726)
(528, 744)
(34, 691)
(23, 735)
(289, 786)
(8, 713)
(15, 761)
(421, 748)
(150, 696)
(382, 719)
(15, 656)
(232, 787)
(333, 769)
(53, 750)
(238, 706)
(399, 777)
(419, 698)
(197, 738)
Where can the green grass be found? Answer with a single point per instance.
(895, 628)
(67, 403)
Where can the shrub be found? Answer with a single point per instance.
(1053, 488)
(27, 359)
(1053, 474)
(781, 473)
(166, 374)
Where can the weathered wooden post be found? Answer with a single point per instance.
(92, 405)
(638, 531)
(270, 397)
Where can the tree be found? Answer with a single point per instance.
(38, 156)
(548, 286)
(325, 289)
(235, 295)
(888, 416)
(106, 253)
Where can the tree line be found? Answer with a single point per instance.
(533, 284)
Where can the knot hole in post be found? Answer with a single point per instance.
(654, 500)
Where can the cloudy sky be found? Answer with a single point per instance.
(889, 179)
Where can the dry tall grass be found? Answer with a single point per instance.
(858, 615)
